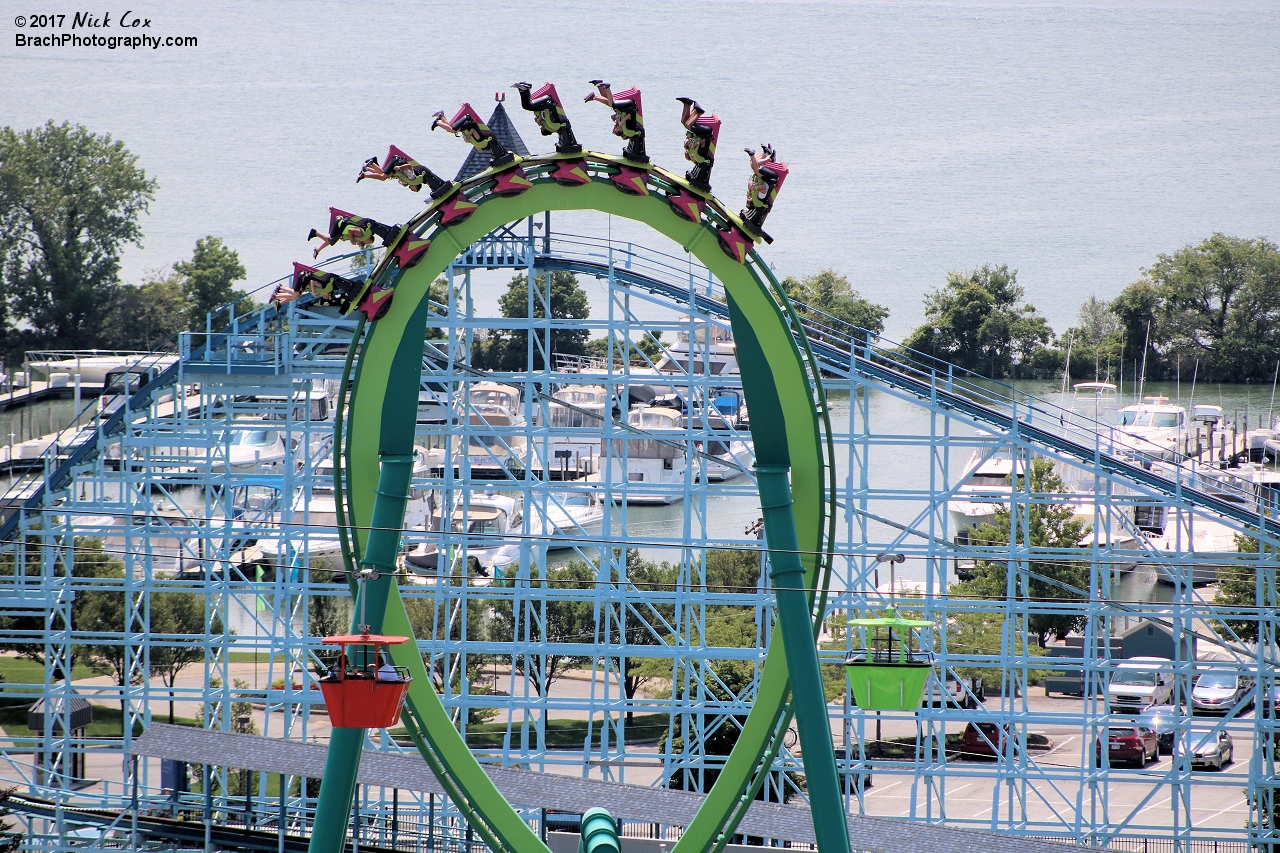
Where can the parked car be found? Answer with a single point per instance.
(1270, 701)
(1221, 693)
(1138, 683)
(961, 693)
(1163, 720)
(1207, 748)
(1136, 744)
(984, 739)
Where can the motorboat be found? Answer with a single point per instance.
(566, 516)
(494, 446)
(575, 416)
(310, 526)
(725, 454)
(985, 486)
(480, 532)
(94, 369)
(1151, 429)
(249, 448)
(645, 468)
(707, 349)
(1091, 402)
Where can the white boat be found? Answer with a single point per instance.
(1152, 429)
(648, 468)
(484, 538)
(1091, 402)
(725, 454)
(249, 449)
(985, 486)
(94, 369)
(317, 517)
(495, 446)
(1197, 540)
(575, 416)
(708, 350)
(567, 516)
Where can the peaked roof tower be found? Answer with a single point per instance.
(500, 126)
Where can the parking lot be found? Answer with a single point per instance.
(1052, 786)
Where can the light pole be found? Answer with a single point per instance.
(892, 558)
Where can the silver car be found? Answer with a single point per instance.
(1207, 748)
(1221, 692)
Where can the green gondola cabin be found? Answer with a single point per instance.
(891, 670)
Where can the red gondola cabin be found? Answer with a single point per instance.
(363, 690)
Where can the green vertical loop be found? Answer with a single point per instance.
(383, 416)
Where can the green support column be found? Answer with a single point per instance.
(338, 786)
(807, 696)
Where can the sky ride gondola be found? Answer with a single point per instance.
(890, 671)
(363, 690)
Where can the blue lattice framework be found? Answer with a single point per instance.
(162, 488)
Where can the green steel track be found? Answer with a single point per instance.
(791, 435)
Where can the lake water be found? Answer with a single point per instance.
(1072, 142)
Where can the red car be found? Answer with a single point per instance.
(984, 739)
(1137, 744)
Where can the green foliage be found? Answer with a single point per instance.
(145, 316)
(974, 633)
(828, 293)
(550, 621)
(69, 201)
(327, 615)
(976, 321)
(440, 618)
(1039, 525)
(9, 839)
(1216, 303)
(1096, 341)
(626, 351)
(1238, 588)
(180, 613)
(210, 278)
(656, 577)
(507, 349)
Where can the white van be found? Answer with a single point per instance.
(1138, 683)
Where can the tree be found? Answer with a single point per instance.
(1040, 524)
(1238, 588)
(9, 839)
(210, 278)
(442, 618)
(69, 201)
(507, 349)
(178, 613)
(327, 615)
(1095, 341)
(827, 299)
(92, 610)
(976, 322)
(146, 316)
(643, 623)
(547, 620)
(1220, 304)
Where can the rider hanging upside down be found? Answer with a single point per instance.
(468, 124)
(328, 288)
(359, 231)
(767, 175)
(628, 117)
(549, 115)
(409, 172)
(702, 132)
